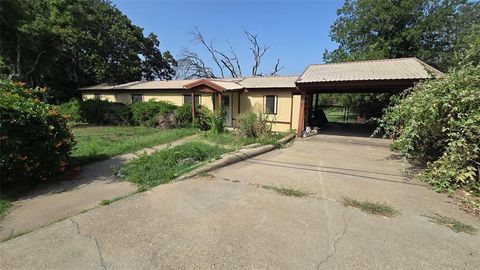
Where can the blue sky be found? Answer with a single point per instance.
(296, 31)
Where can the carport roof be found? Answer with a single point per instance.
(372, 70)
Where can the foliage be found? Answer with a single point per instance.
(438, 122)
(288, 191)
(71, 110)
(234, 139)
(217, 121)
(165, 165)
(254, 123)
(184, 114)
(70, 43)
(96, 143)
(144, 113)
(93, 111)
(35, 141)
(5, 205)
(429, 30)
(202, 118)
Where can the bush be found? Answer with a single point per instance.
(184, 115)
(203, 118)
(118, 114)
(35, 141)
(254, 123)
(71, 110)
(217, 121)
(438, 122)
(145, 113)
(94, 111)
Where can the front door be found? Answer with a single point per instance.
(226, 103)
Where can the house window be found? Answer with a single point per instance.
(271, 104)
(137, 98)
(97, 96)
(188, 99)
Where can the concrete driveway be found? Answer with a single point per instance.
(230, 222)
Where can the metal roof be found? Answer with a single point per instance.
(227, 84)
(387, 69)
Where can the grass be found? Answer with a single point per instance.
(372, 208)
(287, 191)
(165, 165)
(233, 140)
(337, 114)
(5, 205)
(452, 223)
(102, 142)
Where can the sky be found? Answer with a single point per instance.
(296, 31)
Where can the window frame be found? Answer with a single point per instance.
(132, 95)
(190, 96)
(275, 104)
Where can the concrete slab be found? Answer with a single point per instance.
(216, 223)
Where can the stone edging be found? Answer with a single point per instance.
(231, 158)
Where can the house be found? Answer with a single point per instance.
(286, 99)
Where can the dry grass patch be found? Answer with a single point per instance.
(372, 208)
(287, 191)
(452, 223)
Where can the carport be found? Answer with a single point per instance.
(373, 76)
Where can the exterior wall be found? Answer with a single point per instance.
(284, 120)
(256, 98)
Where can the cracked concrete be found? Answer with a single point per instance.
(209, 223)
(77, 226)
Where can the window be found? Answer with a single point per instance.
(137, 98)
(97, 96)
(271, 104)
(187, 98)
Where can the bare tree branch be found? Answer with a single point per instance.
(277, 68)
(197, 36)
(191, 65)
(257, 50)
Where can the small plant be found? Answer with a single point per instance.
(372, 208)
(105, 202)
(254, 123)
(452, 223)
(287, 191)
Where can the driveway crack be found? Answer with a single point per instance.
(77, 226)
(336, 240)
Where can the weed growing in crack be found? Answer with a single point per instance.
(452, 223)
(287, 191)
(372, 208)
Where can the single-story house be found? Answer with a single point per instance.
(287, 99)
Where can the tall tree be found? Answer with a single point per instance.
(65, 44)
(428, 29)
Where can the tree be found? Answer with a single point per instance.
(428, 29)
(191, 65)
(66, 44)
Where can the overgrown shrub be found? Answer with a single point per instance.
(438, 121)
(184, 115)
(71, 110)
(94, 111)
(217, 121)
(34, 138)
(145, 113)
(254, 123)
(119, 114)
(203, 118)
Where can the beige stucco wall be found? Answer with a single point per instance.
(287, 106)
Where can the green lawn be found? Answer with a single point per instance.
(337, 114)
(233, 140)
(101, 142)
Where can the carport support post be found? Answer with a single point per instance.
(193, 106)
(301, 114)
